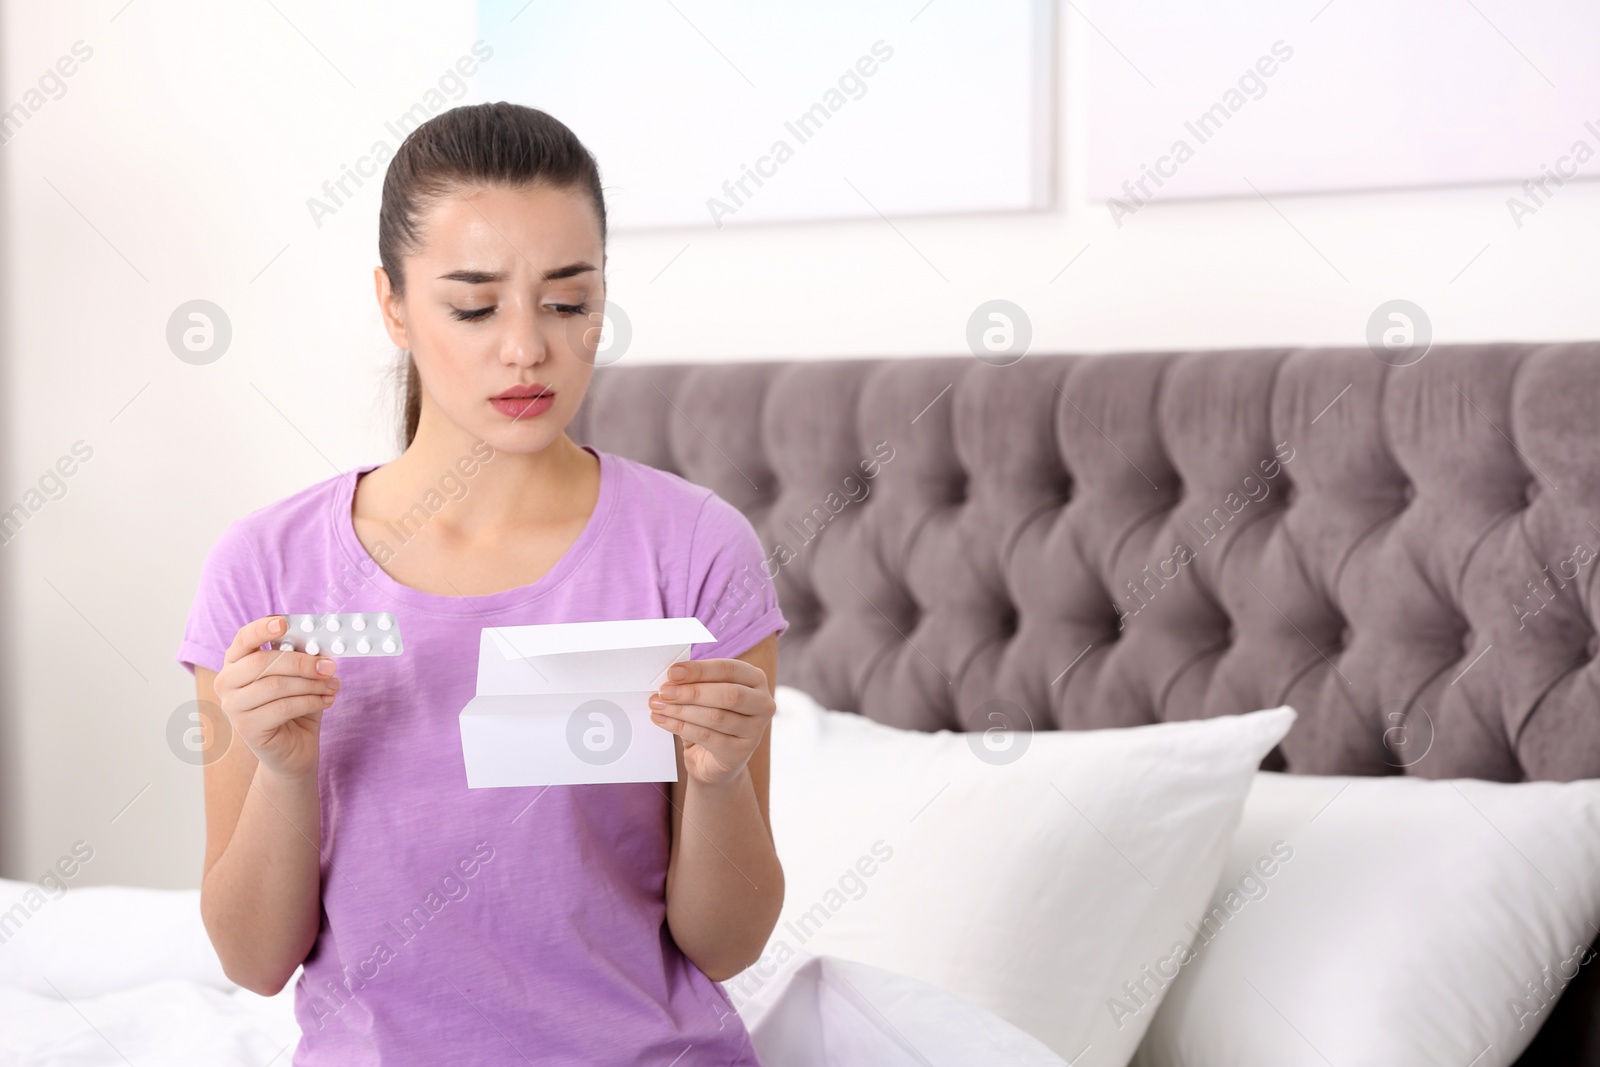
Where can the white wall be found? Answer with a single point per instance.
(177, 165)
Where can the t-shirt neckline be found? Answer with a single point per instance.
(366, 566)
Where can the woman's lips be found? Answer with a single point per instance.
(523, 407)
(522, 391)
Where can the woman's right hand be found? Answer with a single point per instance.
(274, 699)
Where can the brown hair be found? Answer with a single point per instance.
(476, 144)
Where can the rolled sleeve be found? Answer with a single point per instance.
(231, 592)
(731, 590)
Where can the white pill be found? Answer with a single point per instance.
(333, 622)
(388, 645)
(286, 647)
(312, 648)
(338, 647)
(307, 624)
(358, 623)
(363, 646)
(383, 622)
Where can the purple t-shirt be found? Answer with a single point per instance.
(491, 925)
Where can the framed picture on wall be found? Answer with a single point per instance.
(1316, 96)
(713, 113)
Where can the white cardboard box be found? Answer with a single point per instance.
(568, 703)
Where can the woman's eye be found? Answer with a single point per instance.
(474, 314)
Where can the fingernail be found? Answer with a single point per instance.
(334, 683)
(274, 625)
(326, 666)
(669, 691)
(656, 702)
(327, 700)
(678, 674)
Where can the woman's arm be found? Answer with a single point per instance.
(261, 891)
(724, 882)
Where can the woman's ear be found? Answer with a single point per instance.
(389, 308)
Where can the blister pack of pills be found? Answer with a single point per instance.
(352, 633)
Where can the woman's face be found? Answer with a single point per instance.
(503, 300)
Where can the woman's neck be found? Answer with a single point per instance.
(486, 491)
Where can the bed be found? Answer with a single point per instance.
(1397, 591)
(1392, 586)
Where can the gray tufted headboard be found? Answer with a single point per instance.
(1407, 555)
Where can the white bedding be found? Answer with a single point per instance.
(825, 1013)
(822, 1011)
(108, 976)
(116, 974)
(171, 1023)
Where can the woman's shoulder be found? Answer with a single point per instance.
(255, 565)
(664, 494)
(683, 511)
(304, 511)
(725, 569)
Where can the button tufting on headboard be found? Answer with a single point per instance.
(1114, 540)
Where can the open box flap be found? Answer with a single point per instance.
(631, 654)
(552, 639)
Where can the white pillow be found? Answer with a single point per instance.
(1026, 887)
(166, 1023)
(824, 1010)
(89, 940)
(1401, 923)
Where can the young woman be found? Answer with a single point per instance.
(563, 925)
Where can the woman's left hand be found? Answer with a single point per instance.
(720, 707)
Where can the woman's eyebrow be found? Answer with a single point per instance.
(484, 277)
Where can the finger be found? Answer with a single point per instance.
(252, 636)
(715, 720)
(725, 746)
(717, 670)
(741, 699)
(273, 715)
(247, 700)
(284, 661)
